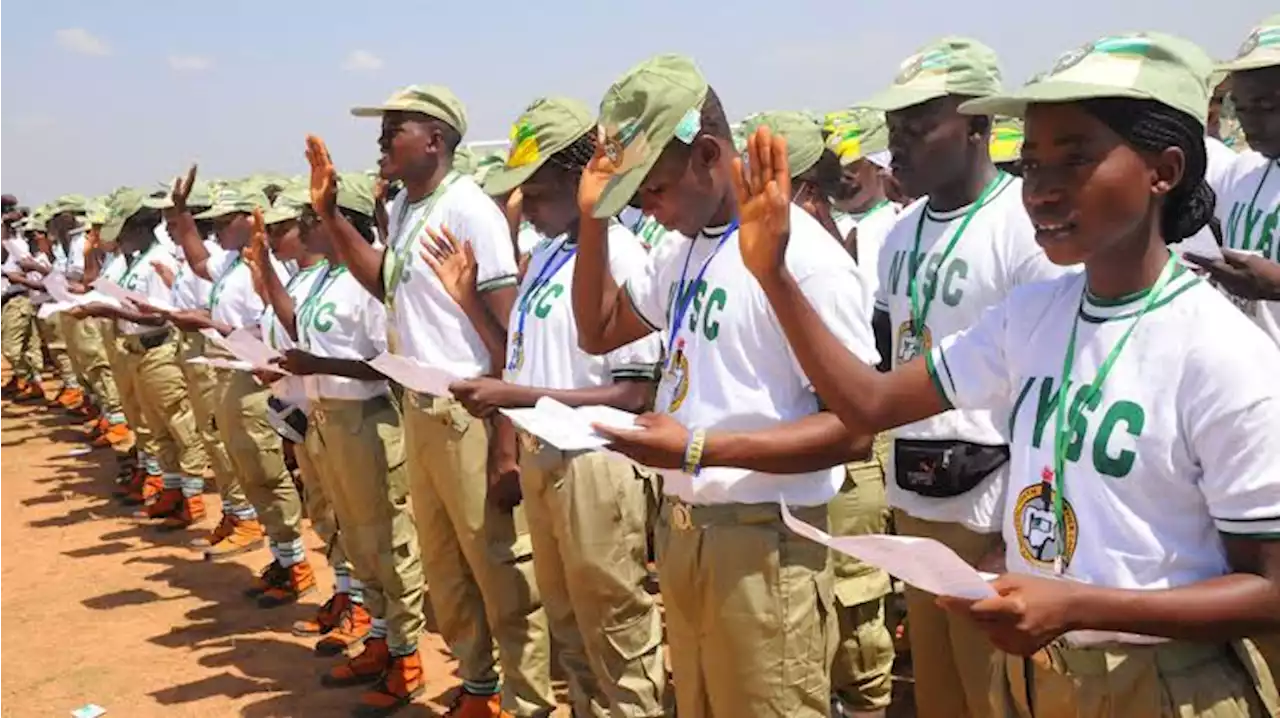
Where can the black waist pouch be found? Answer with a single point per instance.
(943, 468)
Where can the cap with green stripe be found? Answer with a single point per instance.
(1261, 49)
(949, 66)
(801, 131)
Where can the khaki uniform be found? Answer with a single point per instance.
(949, 654)
(51, 335)
(315, 500)
(476, 557)
(1171, 680)
(202, 391)
(162, 393)
(586, 516)
(21, 341)
(359, 449)
(126, 384)
(89, 357)
(257, 453)
(737, 583)
(862, 674)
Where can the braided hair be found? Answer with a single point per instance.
(1151, 126)
(574, 158)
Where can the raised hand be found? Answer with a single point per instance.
(763, 188)
(165, 273)
(454, 262)
(324, 178)
(256, 254)
(595, 177)
(182, 190)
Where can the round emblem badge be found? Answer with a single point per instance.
(613, 148)
(911, 345)
(679, 374)
(1071, 58)
(1037, 527)
(909, 70)
(1250, 43)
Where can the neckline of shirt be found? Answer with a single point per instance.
(953, 214)
(1100, 309)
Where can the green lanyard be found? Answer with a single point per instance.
(859, 218)
(303, 273)
(130, 267)
(322, 285)
(401, 256)
(1062, 430)
(920, 313)
(216, 292)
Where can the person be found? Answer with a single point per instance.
(21, 341)
(238, 531)
(960, 249)
(586, 511)
(862, 673)
(463, 471)
(256, 449)
(46, 256)
(860, 139)
(1249, 206)
(739, 589)
(151, 351)
(1141, 511)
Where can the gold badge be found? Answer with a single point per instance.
(911, 346)
(678, 377)
(1037, 527)
(681, 516)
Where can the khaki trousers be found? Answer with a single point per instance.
(360, 457)
(257, 454)
(85, 345)
(586, 517)
(202, 383)
(315, 499)
(51, 335)
(127, 386)
(950, 656)
(162, 393)
(476, 557)
(1172, 680)
(21, 341)
(750, 611)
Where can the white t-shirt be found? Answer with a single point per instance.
(873, 228)
(424, 322)
(340, 320)
(551, 358)
(996, 253)
(1178, 446)
(1251, 223)
(52, 265)
(190, 290)
(113, 267)
(18, 249)
(648, 230)
(141, 276)
(74, 263)
(290, 389)
(1219, 171)
(732, 368)
(232, 299)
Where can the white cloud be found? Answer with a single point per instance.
(189, 63)
(78, 39)
(362, 61)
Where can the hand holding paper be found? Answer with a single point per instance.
(413, 374)
(566, 428)
(248, 348)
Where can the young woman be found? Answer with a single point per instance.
(1144, 507)
(586, 511)
(355, 440)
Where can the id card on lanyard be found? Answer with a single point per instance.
(560, 257)
(675, 381)
(396, 257)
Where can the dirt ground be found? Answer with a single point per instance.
(97, 607)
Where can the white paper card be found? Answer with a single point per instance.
(566, 428)
(414, 375)
(115, 291)
(246, 347)
(220, 363)
(922, 562)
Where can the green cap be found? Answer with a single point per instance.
(69, 203)
(655, 102)
(234, 199)
(123, 205)
(547, 126)
(950, 66)
(293, 198)
(1142, 66)
(487, 165)
(464, 161)
(1260, 49)
(355, 192)
(1006, 139)
(435, 101)
(856, 133)
(802, 133)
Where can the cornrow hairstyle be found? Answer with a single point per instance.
(1151, 126)
(575, 157)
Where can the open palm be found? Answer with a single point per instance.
(453, 261)
(324, 179)
(763, 188)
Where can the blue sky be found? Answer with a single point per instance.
(97, 94)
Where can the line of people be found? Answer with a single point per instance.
(872, 317)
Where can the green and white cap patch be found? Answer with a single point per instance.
(802, 133)
(949, 66)
(1261, 49)
(1142, 66)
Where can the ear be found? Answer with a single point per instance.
(1167, 170)
(706, 151)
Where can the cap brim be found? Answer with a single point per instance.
(899, 98)
(370, 111)
(1250, 63)
(216, 212)
(1014, 104)
(503, 179)
(276, 216)
(622, 187)
(110, 231)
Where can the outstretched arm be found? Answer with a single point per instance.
(362, 260)
(182, 226)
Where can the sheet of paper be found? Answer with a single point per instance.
(115, 291)
(246, 347)
(922, 562)
(56, 284)
(414, 375)
(219, 363)
(215, 337)
(49, 309)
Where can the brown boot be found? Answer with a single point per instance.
(301, 581)
(364, 668)
(129, 482)
(33, 392)
(273, 575)
(190, 511)
(400, 684)
(69, 398)
(114, 435)
(352, 630)
(219, 532)
(167, 503)
(467, 705)
(148, 489)
(246, 535)
(327, 617)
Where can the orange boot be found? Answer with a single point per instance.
(301, 581)
(400, 684)
(168, 503)
(327, 617)
(70, 398)
(149, 488)
(468, 705)
(352, 629)
(33, 392)
(366, 667)
(115, 435)
(189, 511)
(245, 535)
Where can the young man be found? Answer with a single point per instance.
(950, 255)
(749, 605)
(475, 549)
(860, 138)
(586, 511)
(21, 341)
(45, 258)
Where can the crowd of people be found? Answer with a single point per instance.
(1038, 325)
